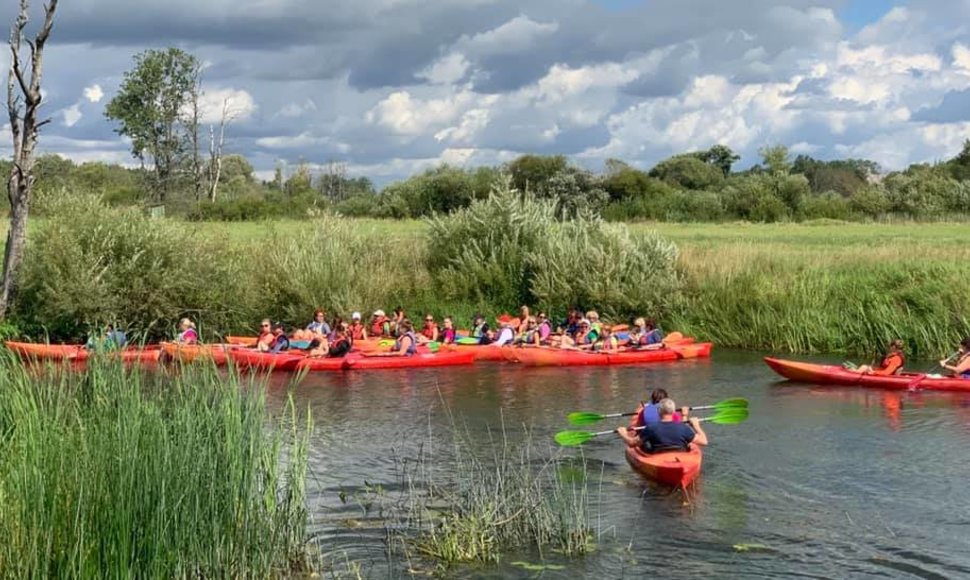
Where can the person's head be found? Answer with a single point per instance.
(666, 408)
(340, 329)
(186, 324)
(584, 325)
(607, 330)
(399, 312)
(278, 328)
(639, 322)
(319, 315)
(650, 324)
(541, 317)
(524, 311)
(355, 317)
(965, 344)
(428, 319)
(337, 321)
(531, 321)
(265, 325)
(478, 319)
(658, 395)
(593, 316)
(379, 314)
(896, 345)
(405, 325)
(447, 322)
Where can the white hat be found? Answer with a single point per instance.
(379, 313)
(355, 316)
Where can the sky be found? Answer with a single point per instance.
(393, 87)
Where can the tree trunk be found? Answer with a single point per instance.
(14, 252)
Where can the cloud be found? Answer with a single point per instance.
(93, 94)
(237, 104)
(72, 115)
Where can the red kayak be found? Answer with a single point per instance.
(420, 360)
(487, 352)
(560, 357)
(252, 359)
(187, 353)
(676, 468)
(322, 364)
(78, 353)
(836, 375)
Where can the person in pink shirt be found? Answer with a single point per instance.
(187, 333)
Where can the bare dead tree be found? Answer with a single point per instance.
(333, 181)
(216, 144)
(23, 104)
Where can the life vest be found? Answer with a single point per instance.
(357, 331)
(377, 326)
(888, 359)
(339, 347)
(479, 331)
(265, 338)
(447, 336)
(188, 336)
(412, 347)
(429, 331)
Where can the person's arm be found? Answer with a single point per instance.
(403, 349)
(700, 437)
(435, 335)
(959, 368)
(628, 436)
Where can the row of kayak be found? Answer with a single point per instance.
(365, 356)
(821, 374)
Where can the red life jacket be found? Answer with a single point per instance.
(429, 331)
(377, 326)
(357, 331)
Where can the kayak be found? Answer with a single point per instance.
(78, 353)
(322, 364)
(252, 359)
(632, 357)
(420, 360)
(187, 353)
(559, 357)
(676, 468)
(248, 341)
(690, 350)
(836, 375)
(489, 353)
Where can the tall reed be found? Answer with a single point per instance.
(114, 473)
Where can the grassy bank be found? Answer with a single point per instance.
(130, 475)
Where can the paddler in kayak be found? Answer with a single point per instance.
(187, 333)
(607, 341)
(646, 335)
(429, 333)
(480, 329)
(318, 327)
(665, 435)
(356, 331)
(892, 363)
(280, 341)
(265, 338)
(406, 343)
(380, 326)
(112, 339)
(650, 412)
(447, 334)
(962, 367)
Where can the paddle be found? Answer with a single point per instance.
(919, 378)
(574, 438)
(583, 418)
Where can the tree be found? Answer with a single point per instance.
(720, 156)
(23, 102)
(688, 171)
(960, 165)
(775, 158)
(157, 109)
(532, 172)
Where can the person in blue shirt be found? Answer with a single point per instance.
(665, 435)
(319, 327)
(281, 342)
(113, 339)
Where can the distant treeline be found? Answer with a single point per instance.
(691, 187)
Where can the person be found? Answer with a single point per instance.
(891, 364)
(480, 329)
(520, 323)
(607, 341)
(280, 342)
(504, 336)
(545, 328)
(319, 347)
(665, 435)
(341, 343)
(594, 321)
(528, 333)
(319, 327)
(187, 333)
(407, 343)
(265, 338)
(357, 330)
(586, 336)
(447, 334)
(962, 367)
(571, 324)
(380, 325)
(399, 317)
(430, 331)
(113, 339)
(650, 413)
(338, 322)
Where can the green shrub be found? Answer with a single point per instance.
(829, 205)
(693, 206)
(870, 201)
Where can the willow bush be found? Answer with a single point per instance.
(511, 249)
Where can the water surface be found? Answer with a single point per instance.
(820, 482)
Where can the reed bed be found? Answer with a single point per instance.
(116, 473)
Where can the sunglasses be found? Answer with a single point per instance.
(264, 325)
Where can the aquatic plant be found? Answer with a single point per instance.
(115, 473)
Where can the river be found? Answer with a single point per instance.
(819, 482)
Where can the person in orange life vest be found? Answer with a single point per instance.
(429, 333)
(891, 364)
(356, 330)
(265, 337)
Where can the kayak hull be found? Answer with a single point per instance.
(322, 364)
(188, 353)
(78, 353)
(559, 357)
(420, 360)
(252, 359)
(486, 353)
(837, 376)
(674, 468)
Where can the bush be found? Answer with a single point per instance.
(827, 205)
(693, 206)
(753, 198)
(870, 201)
(689, 172)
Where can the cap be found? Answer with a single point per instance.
(379, 313)
(355, 316)
(584, 321)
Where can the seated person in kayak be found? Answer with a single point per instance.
(961, 368)
(447, 334)
(504, 336)
(281, 343)
(650, 413)
(318, 327)
(665, 435)
(187, 333)
(646, 335)
(113, 339)
(356, 331)
(480, 329)
(584, 339)
(406, 344)
(429, 333)
(545, 328)
(892, 363)
(399, 317)
(265, 337)
(607, 342)
(380, 325)
(529, 334)
(341, 343)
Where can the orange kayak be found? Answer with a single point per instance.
(836, 375)
(676, 468)
(252, 359)
(187, 353)
(248, 341)
(690, 350)
(322, 364)
(420, 360)
(78, 353)
(486, 352)
(559, 357)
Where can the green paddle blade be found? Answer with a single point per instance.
(573, 438)
(433, 346)
(467, 340)
(735, 403)
(731, 417)
(582, 418)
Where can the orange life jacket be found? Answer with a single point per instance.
(429, 331)
(357, 331)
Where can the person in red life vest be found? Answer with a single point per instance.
(341, 343)
(356, 330)
(447, 334)
(429, 333)
(891, 364)
(380, 325)
(265, 338)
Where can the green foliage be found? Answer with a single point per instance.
(720, 156)
(688, 171)
(574, 191)
(440, 190)
(693, 206)
(829, 205)
(775, 158)
(870, 201)
(754, 198)
(131, 475)
(531, 173)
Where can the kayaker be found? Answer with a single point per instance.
(406, 344)
(429, 333)
(594, 321)
(318, 326)
(545, 328)
(380, 325)
(646, 334)
(586, 336)
(337, 322)
(187, 333)
(665, 435)
(341, 343)
(318, 348)
(504, 336)
(447, 334)
(530, 333)
(399, 317)
(112, 339)
(962, 367)
(649, 413)
(523, 320)
(892, 363)
(480, 329)
(357, 331)
(280, 341)
(265, 337)
(607, 342)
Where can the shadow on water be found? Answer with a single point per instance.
(819, 483)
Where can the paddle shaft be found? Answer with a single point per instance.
(617, 415)
(641, 428)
